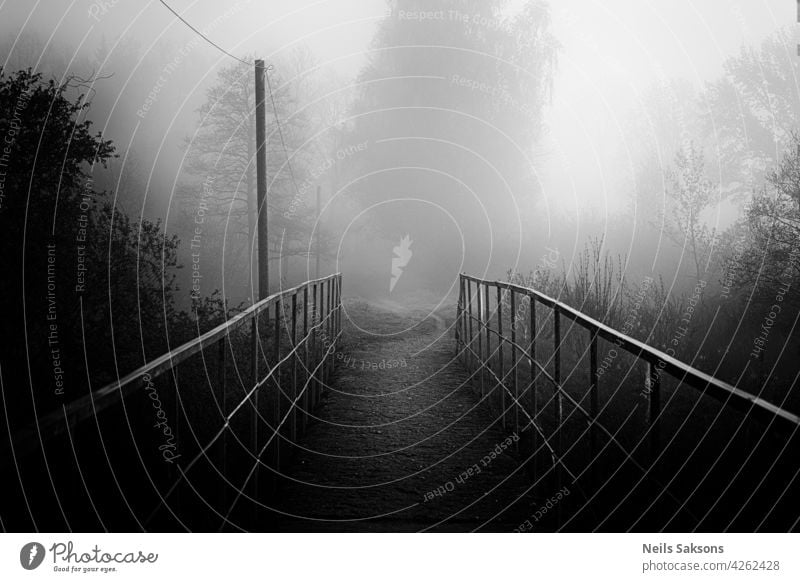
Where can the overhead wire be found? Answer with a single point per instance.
(280, 134)
(269, 86)
(203, 36)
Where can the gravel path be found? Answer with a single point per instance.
(402, 441)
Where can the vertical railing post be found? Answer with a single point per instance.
(334, 313)
(293, 347)
(594, 386)
(323, 334)
(459, 317)
(221, 401)
(335, 320)
(276, 409)
(317, 241)
(559, 396)
(304, 399)
(329, 327)
(488, 332)
(320, 339)
(559, 402)
(468, 327)
(339, 316)
(339, 306)
(653, 390)
(313, 386)
(500, 363)
(534, 374)
(324, 293)
(514, 385)
(464, 320)
(334, 325)
(254, 360)
(479, 307)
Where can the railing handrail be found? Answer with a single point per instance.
(740, 399)
(61, 420)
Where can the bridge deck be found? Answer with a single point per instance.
(400, 421)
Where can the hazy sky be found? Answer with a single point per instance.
(626, 40)
(613, 51)
(331, 29)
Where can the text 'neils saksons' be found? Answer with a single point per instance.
(663, 548)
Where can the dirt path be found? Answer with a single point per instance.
(401, 441)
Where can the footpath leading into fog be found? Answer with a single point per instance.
(401, 441)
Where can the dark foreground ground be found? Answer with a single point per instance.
(399, 422)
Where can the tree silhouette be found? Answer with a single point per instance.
(89, 291)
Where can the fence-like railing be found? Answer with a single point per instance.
(497, 332)
(269, 363)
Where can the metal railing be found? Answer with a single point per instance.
(481, 340)
(287, 353)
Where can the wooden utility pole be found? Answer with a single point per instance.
(262, 248)
(316, 274)
(261, 182)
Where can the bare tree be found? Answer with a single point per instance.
(688, 196)
(221, 166)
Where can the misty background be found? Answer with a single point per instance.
(580, 147)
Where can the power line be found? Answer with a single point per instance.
(208, 40)
(280, 134)
(269, 86)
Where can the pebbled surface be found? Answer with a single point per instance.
(399, 421)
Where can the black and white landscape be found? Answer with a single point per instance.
(394, 265)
